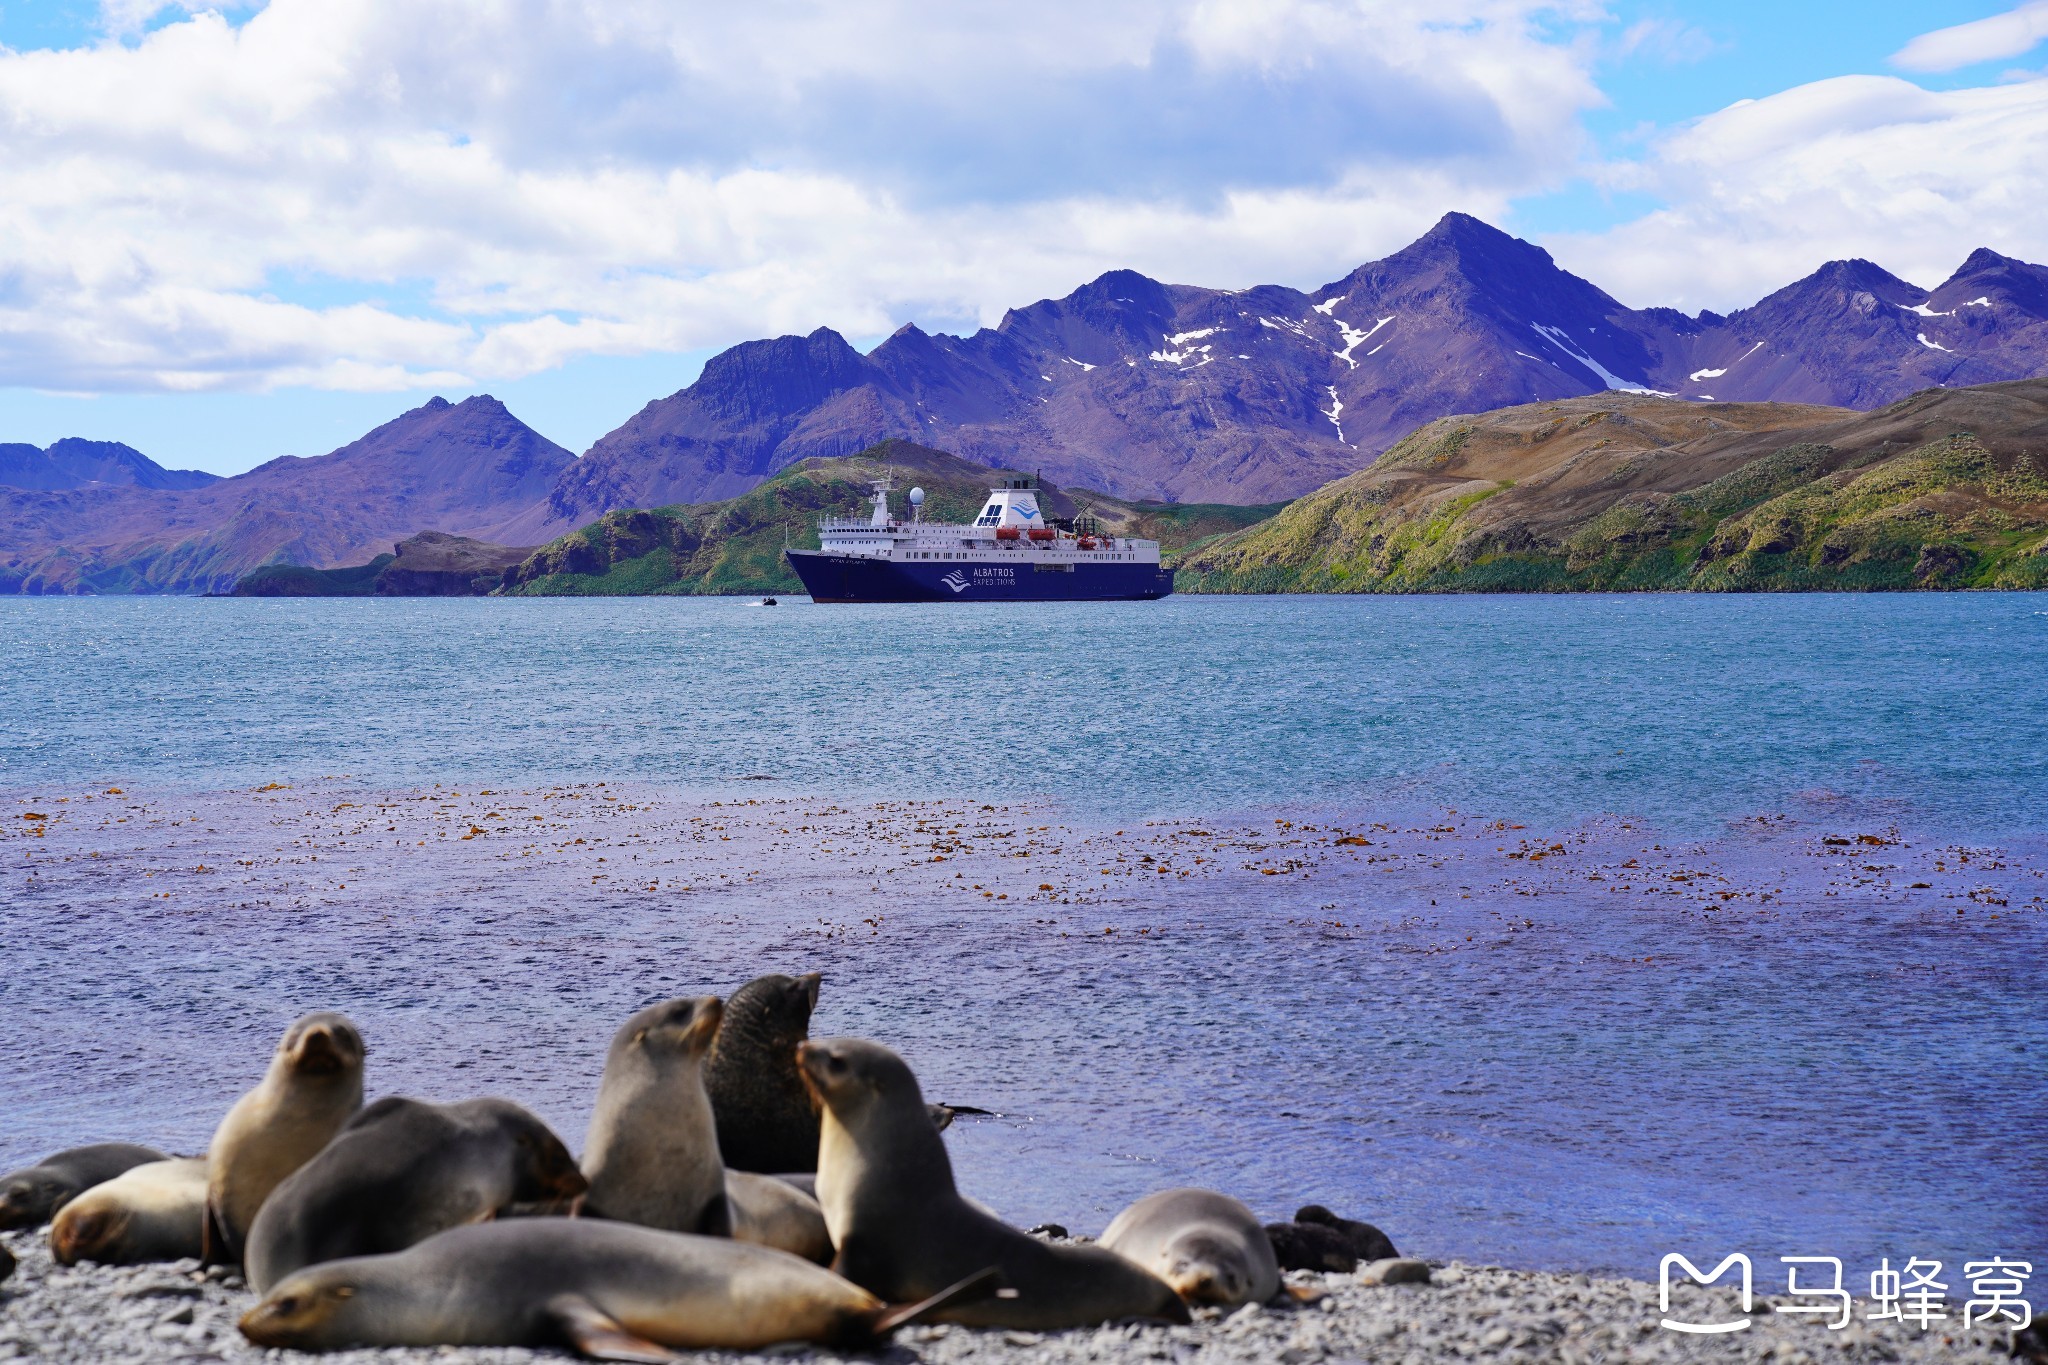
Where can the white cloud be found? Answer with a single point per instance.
(370, 193)
(1858, 166)
(1983, 40)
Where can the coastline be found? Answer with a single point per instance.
(180, 1313)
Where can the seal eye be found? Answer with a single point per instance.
(288, 1305)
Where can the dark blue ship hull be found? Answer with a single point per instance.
(857, 578)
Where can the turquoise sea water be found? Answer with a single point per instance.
(1693, 1025)
(1684, 710)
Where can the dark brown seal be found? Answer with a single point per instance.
(401, 1171)
(32, 1195)
(904, 1232)
(767, 1118)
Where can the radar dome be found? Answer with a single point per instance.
(917, 497)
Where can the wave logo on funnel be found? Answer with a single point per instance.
(956, 580)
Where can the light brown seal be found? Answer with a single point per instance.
(651, 1154)
(903, 1231)
(313, 1087)
(616, 1291)
(32, 1195)
(1209, 1247)
(152, 1212)
(401, 1171)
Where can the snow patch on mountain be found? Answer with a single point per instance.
(1932, 345)
(1556, 336)
(1335, 412)
(1353, 336)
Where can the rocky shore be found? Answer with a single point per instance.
(183, 1314)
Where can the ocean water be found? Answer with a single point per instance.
(1596, 986)
(1683, 710)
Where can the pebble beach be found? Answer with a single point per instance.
(183, 1315)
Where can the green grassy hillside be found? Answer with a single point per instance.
(1616, 492)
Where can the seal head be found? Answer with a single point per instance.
(1208, 1246)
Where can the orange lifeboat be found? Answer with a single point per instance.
(1008, 533)
(1087, 542)
(1042, 533)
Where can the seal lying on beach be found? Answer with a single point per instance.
(904, 1232)
(32, 1195)
(616, 1291)
(401, 1171)
(1208, 1246)
(1318, 1239)
(767, 1120)
(6, 1263)
(314, 1085)
(152, 1212)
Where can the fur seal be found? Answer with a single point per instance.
(313, 1086)
(32, 1195)
(767, 1119)
(1319, 1240)
(1208, 1246)
(904, 1232)
(6, 1263)
(1363, 1240)
(651, 1154)
(617, 1292)
(152, 1212)
(401, 1171)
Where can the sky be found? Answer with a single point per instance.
(235, 231)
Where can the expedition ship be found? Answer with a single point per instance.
(1011, 553)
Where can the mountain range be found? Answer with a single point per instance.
(462, 467)
(1129, 386)
(75, 463)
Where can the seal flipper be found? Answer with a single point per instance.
(716, 1220)
(982, 1284)
(214, 1247)
(593, 1332)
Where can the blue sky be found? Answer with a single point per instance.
(230, 235)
